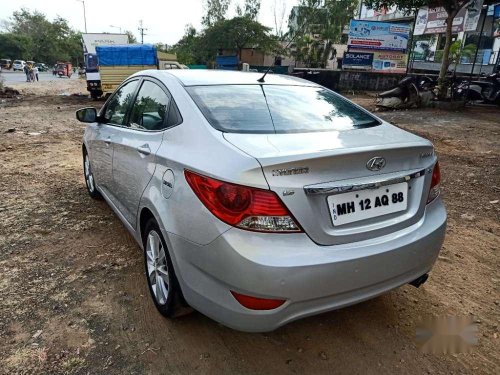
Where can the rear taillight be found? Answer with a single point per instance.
(256, 303)
(436, 179)
(242, 206)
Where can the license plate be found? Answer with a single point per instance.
(365, 204)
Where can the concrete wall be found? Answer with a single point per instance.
(342, 80)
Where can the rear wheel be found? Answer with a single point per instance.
(89, 177)
(162, 282)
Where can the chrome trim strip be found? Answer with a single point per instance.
(332, 188)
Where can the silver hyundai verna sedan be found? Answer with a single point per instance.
(258, 202)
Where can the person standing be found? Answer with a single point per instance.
(31, 73)
(27, 72)
(35, 73)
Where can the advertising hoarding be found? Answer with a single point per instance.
(375, 61)
(433, 20)
(373, 35)
(92, 40)
(358, 60)
(389, 62)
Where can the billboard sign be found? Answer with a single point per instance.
(375, 35)
(375, 61)
(358, 60)
(90, 41)
(433, 20)
(389, 62)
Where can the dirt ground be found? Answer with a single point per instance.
(73, 297)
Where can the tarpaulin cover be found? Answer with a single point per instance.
(126, 54)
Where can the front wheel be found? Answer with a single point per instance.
(162, 282)
(89, 177)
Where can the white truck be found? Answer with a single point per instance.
(90, 41)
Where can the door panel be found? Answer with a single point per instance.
(136, 146)
(133, 167)
(107, 133)
(101, 148)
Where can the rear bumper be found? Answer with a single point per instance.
(312, 278)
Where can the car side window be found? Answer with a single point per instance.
(174, 115)
(117, 107)
(150, 109)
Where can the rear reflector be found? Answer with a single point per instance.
(436, 179)
(255, 303)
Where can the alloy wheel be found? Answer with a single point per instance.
(89, 177)
(157, 267)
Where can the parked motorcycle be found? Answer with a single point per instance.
(487, 90)
(408, 93)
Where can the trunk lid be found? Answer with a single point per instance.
(305, 169)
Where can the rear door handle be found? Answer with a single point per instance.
(108, 141)
(144, 149)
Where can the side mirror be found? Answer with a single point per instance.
(86, 115)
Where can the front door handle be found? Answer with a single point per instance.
(108, 141)
(144, 149)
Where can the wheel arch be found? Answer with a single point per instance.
(145, 215)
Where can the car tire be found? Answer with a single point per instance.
(160, 275)
(89, 177)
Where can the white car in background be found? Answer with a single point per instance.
(18, 65)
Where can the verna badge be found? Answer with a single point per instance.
(376, 163)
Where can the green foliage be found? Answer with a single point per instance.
(189, 49)
(251, 9)
(457, 51)
(237, 33)
(215, 11)
(316, 25)
(131, 37)
(233, 34)
(452, 7)
(31, 36)
(15, 46)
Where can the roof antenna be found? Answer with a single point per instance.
(261, 79)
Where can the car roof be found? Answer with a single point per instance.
(202, 77)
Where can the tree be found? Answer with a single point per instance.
(251, 9)
(39, 39)
(131, 37)
(457, 51)
(238, 33)
(317, 25)
(189, 48)
(215, 11)
(279, 11)
(452, 7)
(15, 46)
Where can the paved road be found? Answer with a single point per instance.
(12, 77)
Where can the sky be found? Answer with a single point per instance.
(165, 20)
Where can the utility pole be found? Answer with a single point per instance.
(141, 30)
(84, 15)
(360, 9)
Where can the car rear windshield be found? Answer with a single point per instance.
(277, 109)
